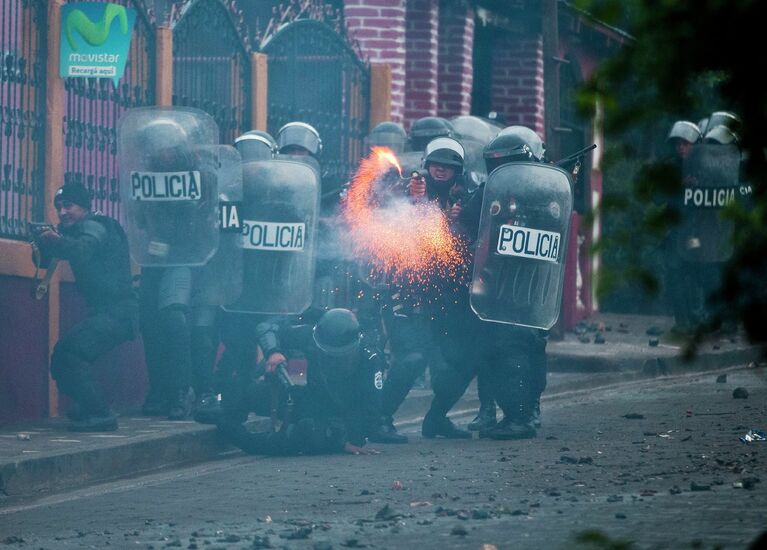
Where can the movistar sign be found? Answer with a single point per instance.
(95, 40)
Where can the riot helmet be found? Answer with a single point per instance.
(388, 134)
(721, 135)
(531, 137)
(444, 150)
(684, 130)
(426, 129)
(298, 135)
(727, 119)
(167, 146)
(256, 145)
(506, 148)
(337, 332)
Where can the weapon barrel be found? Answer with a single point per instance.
(574, 156)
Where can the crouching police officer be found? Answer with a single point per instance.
(97, 251)
(335, 411)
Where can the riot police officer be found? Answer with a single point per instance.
(336, 409)
(516, 354)
(97, 251)
(169, 234)
(680, 290)
(424, 330)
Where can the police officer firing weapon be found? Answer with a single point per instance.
(337, 408)
(97, 251)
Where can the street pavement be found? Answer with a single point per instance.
(43, 458)
(655, 463)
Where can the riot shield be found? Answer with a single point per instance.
(519, 262)
(410, 162)
(219, 281)
(169, 190)
(279, 214)
(474, 163)
(474, 128)
(711, 182)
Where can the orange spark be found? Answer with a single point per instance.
(403, 241)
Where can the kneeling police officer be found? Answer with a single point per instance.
(97, 251)
(335, 411)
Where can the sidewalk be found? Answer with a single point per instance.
(42, 458)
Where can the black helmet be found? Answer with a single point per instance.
(337, 332)
(167, 144)
(529, 136)
(256, 145)
(300, 134)
(445, 150)
(504, 149)
(426, 129)
(388, 134)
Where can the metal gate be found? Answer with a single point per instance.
(315, 77)
(211, 66)
(22, 114)
(93, 107)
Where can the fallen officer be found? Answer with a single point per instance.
(334, 411)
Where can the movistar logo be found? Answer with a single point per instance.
(94, 34)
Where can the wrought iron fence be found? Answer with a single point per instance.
(22, 114)
(211, 66)
(315, 77)
(93, 107)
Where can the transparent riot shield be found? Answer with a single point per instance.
(279, 214)
(711, 182)
(410, 162)
(219, 281)
(519, 262)
(474, 163)
(169, 190)
(474, 128)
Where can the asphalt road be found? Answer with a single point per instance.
(657, 463)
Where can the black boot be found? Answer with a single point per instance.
(510, 429)
(207, 409)
(485, 418)
(441, 426)
(104, 421)
(181, 408)
(387, 433)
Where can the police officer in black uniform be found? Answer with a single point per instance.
(337, 408)
(516, 374)
(424, 326)
(97, 251)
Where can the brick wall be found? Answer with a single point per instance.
(517, 88)
(422, 40)
(379, 28)
(455, 74)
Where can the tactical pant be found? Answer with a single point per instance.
(166, 328)
(511, 359)
(517, 369)
(412, 349)
(308, 436)
(204, 342)
(73, 354)
(529, 339)
(240, 336)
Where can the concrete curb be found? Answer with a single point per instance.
(194, 443)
